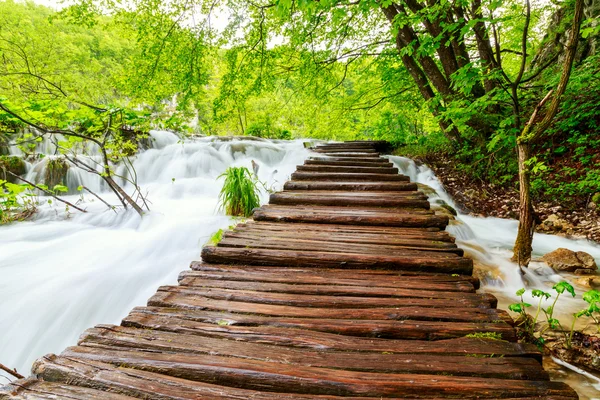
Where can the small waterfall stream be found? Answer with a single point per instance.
(489, 242)
(62, 273)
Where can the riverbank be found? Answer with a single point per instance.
(479, 198)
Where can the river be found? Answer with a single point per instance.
(62, 273)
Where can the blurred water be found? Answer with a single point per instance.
(61, 274)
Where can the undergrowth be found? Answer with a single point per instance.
(240, 192)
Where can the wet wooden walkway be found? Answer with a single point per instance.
(345, 286)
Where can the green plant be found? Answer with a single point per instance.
(216, 237)
(17, 202)
(485, 335)
(240, 192)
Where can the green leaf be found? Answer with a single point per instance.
(60, 188)
(520, 292)
(540, 293)
(562, 286)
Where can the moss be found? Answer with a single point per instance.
(14, 164)
(485, 335)
(56, 171)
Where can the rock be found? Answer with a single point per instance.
(565, 260)
(596, 198)
(55, 172)
(586, 259)
(592, 282)
(14, 164)
(583, 271)
(426, 189)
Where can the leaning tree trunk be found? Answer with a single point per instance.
(523, 244)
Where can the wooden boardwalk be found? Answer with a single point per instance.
(345, 286)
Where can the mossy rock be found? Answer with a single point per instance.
(14, 164)
(596, 198)
(56, 172)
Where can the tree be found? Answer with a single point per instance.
(532, 133)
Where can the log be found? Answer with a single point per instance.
(339, 276)
(388, 230)
(242, 293)
(419, 261)
(186, 320)
(347, 177)
(144, 384)
(324, 157)
(348, 200)
(33, 389)
(373, 241)
(287, 339)
(241, 241)
(230, 288)
(404, 220)
(263, 375)
(170, 349)
(351, 186)
(352, 163)
(347, 169)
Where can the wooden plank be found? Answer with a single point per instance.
(405, 220)
(181, 297)
(347, 229)
(351, 186)
(413, 261)
(198, 279)
(337, 276)
(347, 177)
(348, 152)
(274, 243)
(147, 385)
(347, 169)
(349, 200)
(365, 238)
(286, 339)
(261, 375)
(184, 348)
(241, 292)
(324, 157)
(353, 163)
(355, 210)
(186, 320)
(33, 389)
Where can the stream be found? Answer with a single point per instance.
(64, 272)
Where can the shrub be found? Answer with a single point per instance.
(239, 195)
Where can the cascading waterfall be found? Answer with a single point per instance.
(63, 273)
(489, 241)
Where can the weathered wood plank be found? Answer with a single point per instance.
(351, 186)
(352, 211)
(315, 244)
(211, 290)
(406, 220)
(33, 389)
(349, 200)
(413, 261)
(347, 169)
(199, 279)
(325, 157)
(261, 375)
(184, 347)
(393, 241)
(289, 338)
(338, 276)
(185, 320)
(351, 163)
(347, 177)
(406, 232)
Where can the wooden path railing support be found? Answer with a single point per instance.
(345, 286)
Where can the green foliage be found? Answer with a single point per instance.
(17, 202)
(528, 322)
(216, 237)
(485, 335)
(240, 192)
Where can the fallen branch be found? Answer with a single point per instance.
(100, 198)
(13, 371)
(49, 193)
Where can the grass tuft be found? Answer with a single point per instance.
(239, 195)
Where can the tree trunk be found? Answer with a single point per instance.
(523, 244)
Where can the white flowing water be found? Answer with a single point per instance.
(62, 273)
(489, 242)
